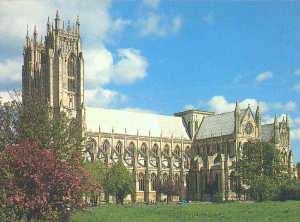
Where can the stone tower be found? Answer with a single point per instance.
(54, 67)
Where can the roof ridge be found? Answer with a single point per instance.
(133, 111)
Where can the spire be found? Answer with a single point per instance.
(57, 15)
(237, 107)
(287, 121)
(48, 25)
(57, 21)
(276, 130)
(257, 114)
(27, 38)
(77, 25)
(35, 35)
(69, 27)
(237, 117)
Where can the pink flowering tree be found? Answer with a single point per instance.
(37, 185)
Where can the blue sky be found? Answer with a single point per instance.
(165, 56)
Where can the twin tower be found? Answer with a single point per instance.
(54, 67)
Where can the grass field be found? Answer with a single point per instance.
(288, 211)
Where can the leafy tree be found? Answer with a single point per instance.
(38, 185)
(35, 121)
(97, 171)
(119, 182)
(261, 168)
(170, 188)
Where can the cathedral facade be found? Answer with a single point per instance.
(194, 148)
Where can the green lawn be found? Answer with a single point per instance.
(288, 211)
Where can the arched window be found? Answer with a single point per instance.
(167, 150)
(153, 181)
(177, 151)
(144, 149)
(165, 178)
(119, 147)
(105, 146)
(141, 182)
(131, 148)
(71, 66)
(155, 149)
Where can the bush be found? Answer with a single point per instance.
(290, 190)
(37, 185)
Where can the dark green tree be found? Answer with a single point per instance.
(97, 171)
(170, 188)
(262, 169)
(119, 182)
(35, 121)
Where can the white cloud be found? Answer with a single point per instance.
(120, 24)
(189, 107)
(103, 97)
(219, 104)
(209, 18)
(15, 15)
(130, 67)
(159, 25)
(290, 106)
(297, 87)
(151, 3)
(98, 66)
(264, 76)
(5, 97)
(101, 68)
(10, 70)
(270, 119)
(295, 134)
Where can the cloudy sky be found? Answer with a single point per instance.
(165, 56)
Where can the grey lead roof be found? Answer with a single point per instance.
(217, 125)
(131, 122)
(267, 132)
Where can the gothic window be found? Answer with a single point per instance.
(177, 151)
(131, 148)
(105, 146)
(71, 85)
(141, 182)
(71, 66)
(153, 182)
(165, 178)
(144, 149)
(155, 149)
(119, 147)
(167, 150)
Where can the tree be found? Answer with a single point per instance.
(119, 182)
(38, 185)
(170, 188)
(97, 171)
(35, 121)
(261, 168)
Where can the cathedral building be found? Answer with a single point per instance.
(194, 148)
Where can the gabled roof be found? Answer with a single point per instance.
(134, 121)
(267, 132)
(217, 125)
